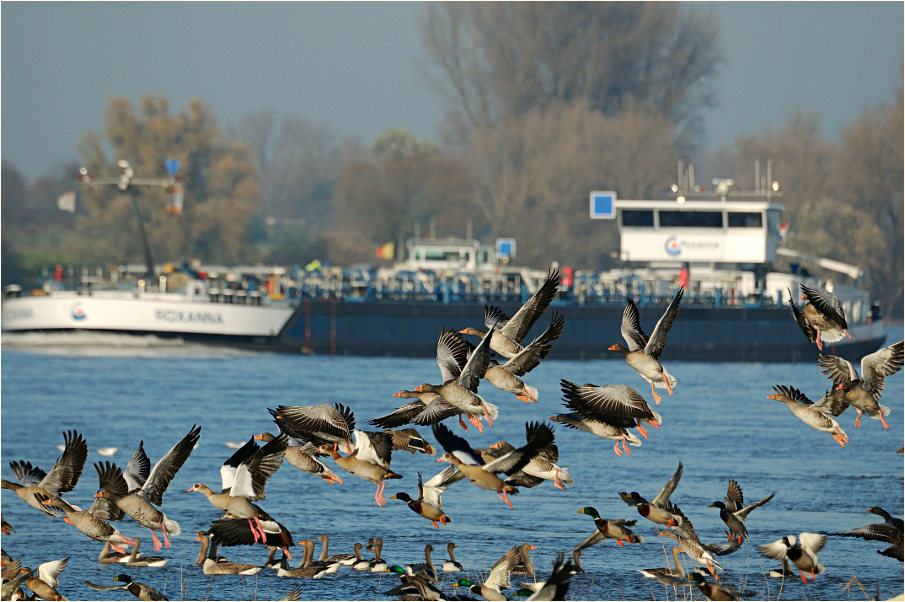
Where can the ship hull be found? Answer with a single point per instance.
(411, 329)
(165, 315)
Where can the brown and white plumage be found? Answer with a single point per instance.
(734, 512)
(210, 566)
(369, 460)
(821, 318)
(643, 352)
(510, 332)
(658, 509)
(428, 503)
(506, 376)
(62, 477)
(863, 393)
(320, 424)
(802, 553)
(304, 456)
(820, 416)
(693, 547)
(470, 465)
(606, 402)
(460, 380)
(614, 428)
(542, 467)
(140, 503)
(889, 531)
(88, 523)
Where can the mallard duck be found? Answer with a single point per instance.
(44, 582)
(140, 503)
(554, 587)
(734, 512)
(617, 529)
(303, 455)
(211, 566)
(470, 464)
(498, 578)
(643, 353)
(863, 393)
(460, 381)
(609, 402)
(510, 332)
(413, 586)
(802, 553)
(244, 476)
(656, 510)
(62, 477)
(819, 415)
(139, 590)
(451, 565)
(428, 503)
(822, 317)
(889, 531)
(715, 591)
(369, 460)
(614, 428)
(506, 376)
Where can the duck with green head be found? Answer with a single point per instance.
(609, 528)
(139, 590)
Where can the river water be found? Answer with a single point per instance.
(118, 391)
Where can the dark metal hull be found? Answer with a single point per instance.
(411, 329)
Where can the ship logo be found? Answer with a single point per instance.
(672, 246)
(77, 312)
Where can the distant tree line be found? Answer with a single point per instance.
(544, 101)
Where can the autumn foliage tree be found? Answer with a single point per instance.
(218, 173)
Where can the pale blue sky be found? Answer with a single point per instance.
(350, 66)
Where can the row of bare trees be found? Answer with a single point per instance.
(545, 102)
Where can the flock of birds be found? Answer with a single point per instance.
(308, 435)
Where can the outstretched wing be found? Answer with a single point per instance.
(657, 341)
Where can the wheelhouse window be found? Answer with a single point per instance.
(637, 218)
(691, 219)
(738, 219)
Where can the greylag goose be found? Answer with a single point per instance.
(62, 477)
(360, 564)
(643, 353)
(411, 411)
(609, 402)
(424, 569)
(428, 503)
(470, 465)
(802, 553)
(889, 531)
(369, 460)
(244, 476)
(657, 510)
(320, 424)
(88, 523)
(542, 467)
(460, 382)
(140, 504)
(863, 393)
(336, 559)
(691, 545)
(822, 317)
(506, 376)
(215, 567)
(507, 338)
(734, 512)
(303, 455)
(134, 558)
(409, 440)
(614, 428)
(309, 568)
(820, 415)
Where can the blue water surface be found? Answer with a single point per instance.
(118, 391)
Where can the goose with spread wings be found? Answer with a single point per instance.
(643, 352)
(822, 317)
(140, 502)
(62, 477)
(863, 393)
(820, 415)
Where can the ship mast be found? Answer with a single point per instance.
(126, 182)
